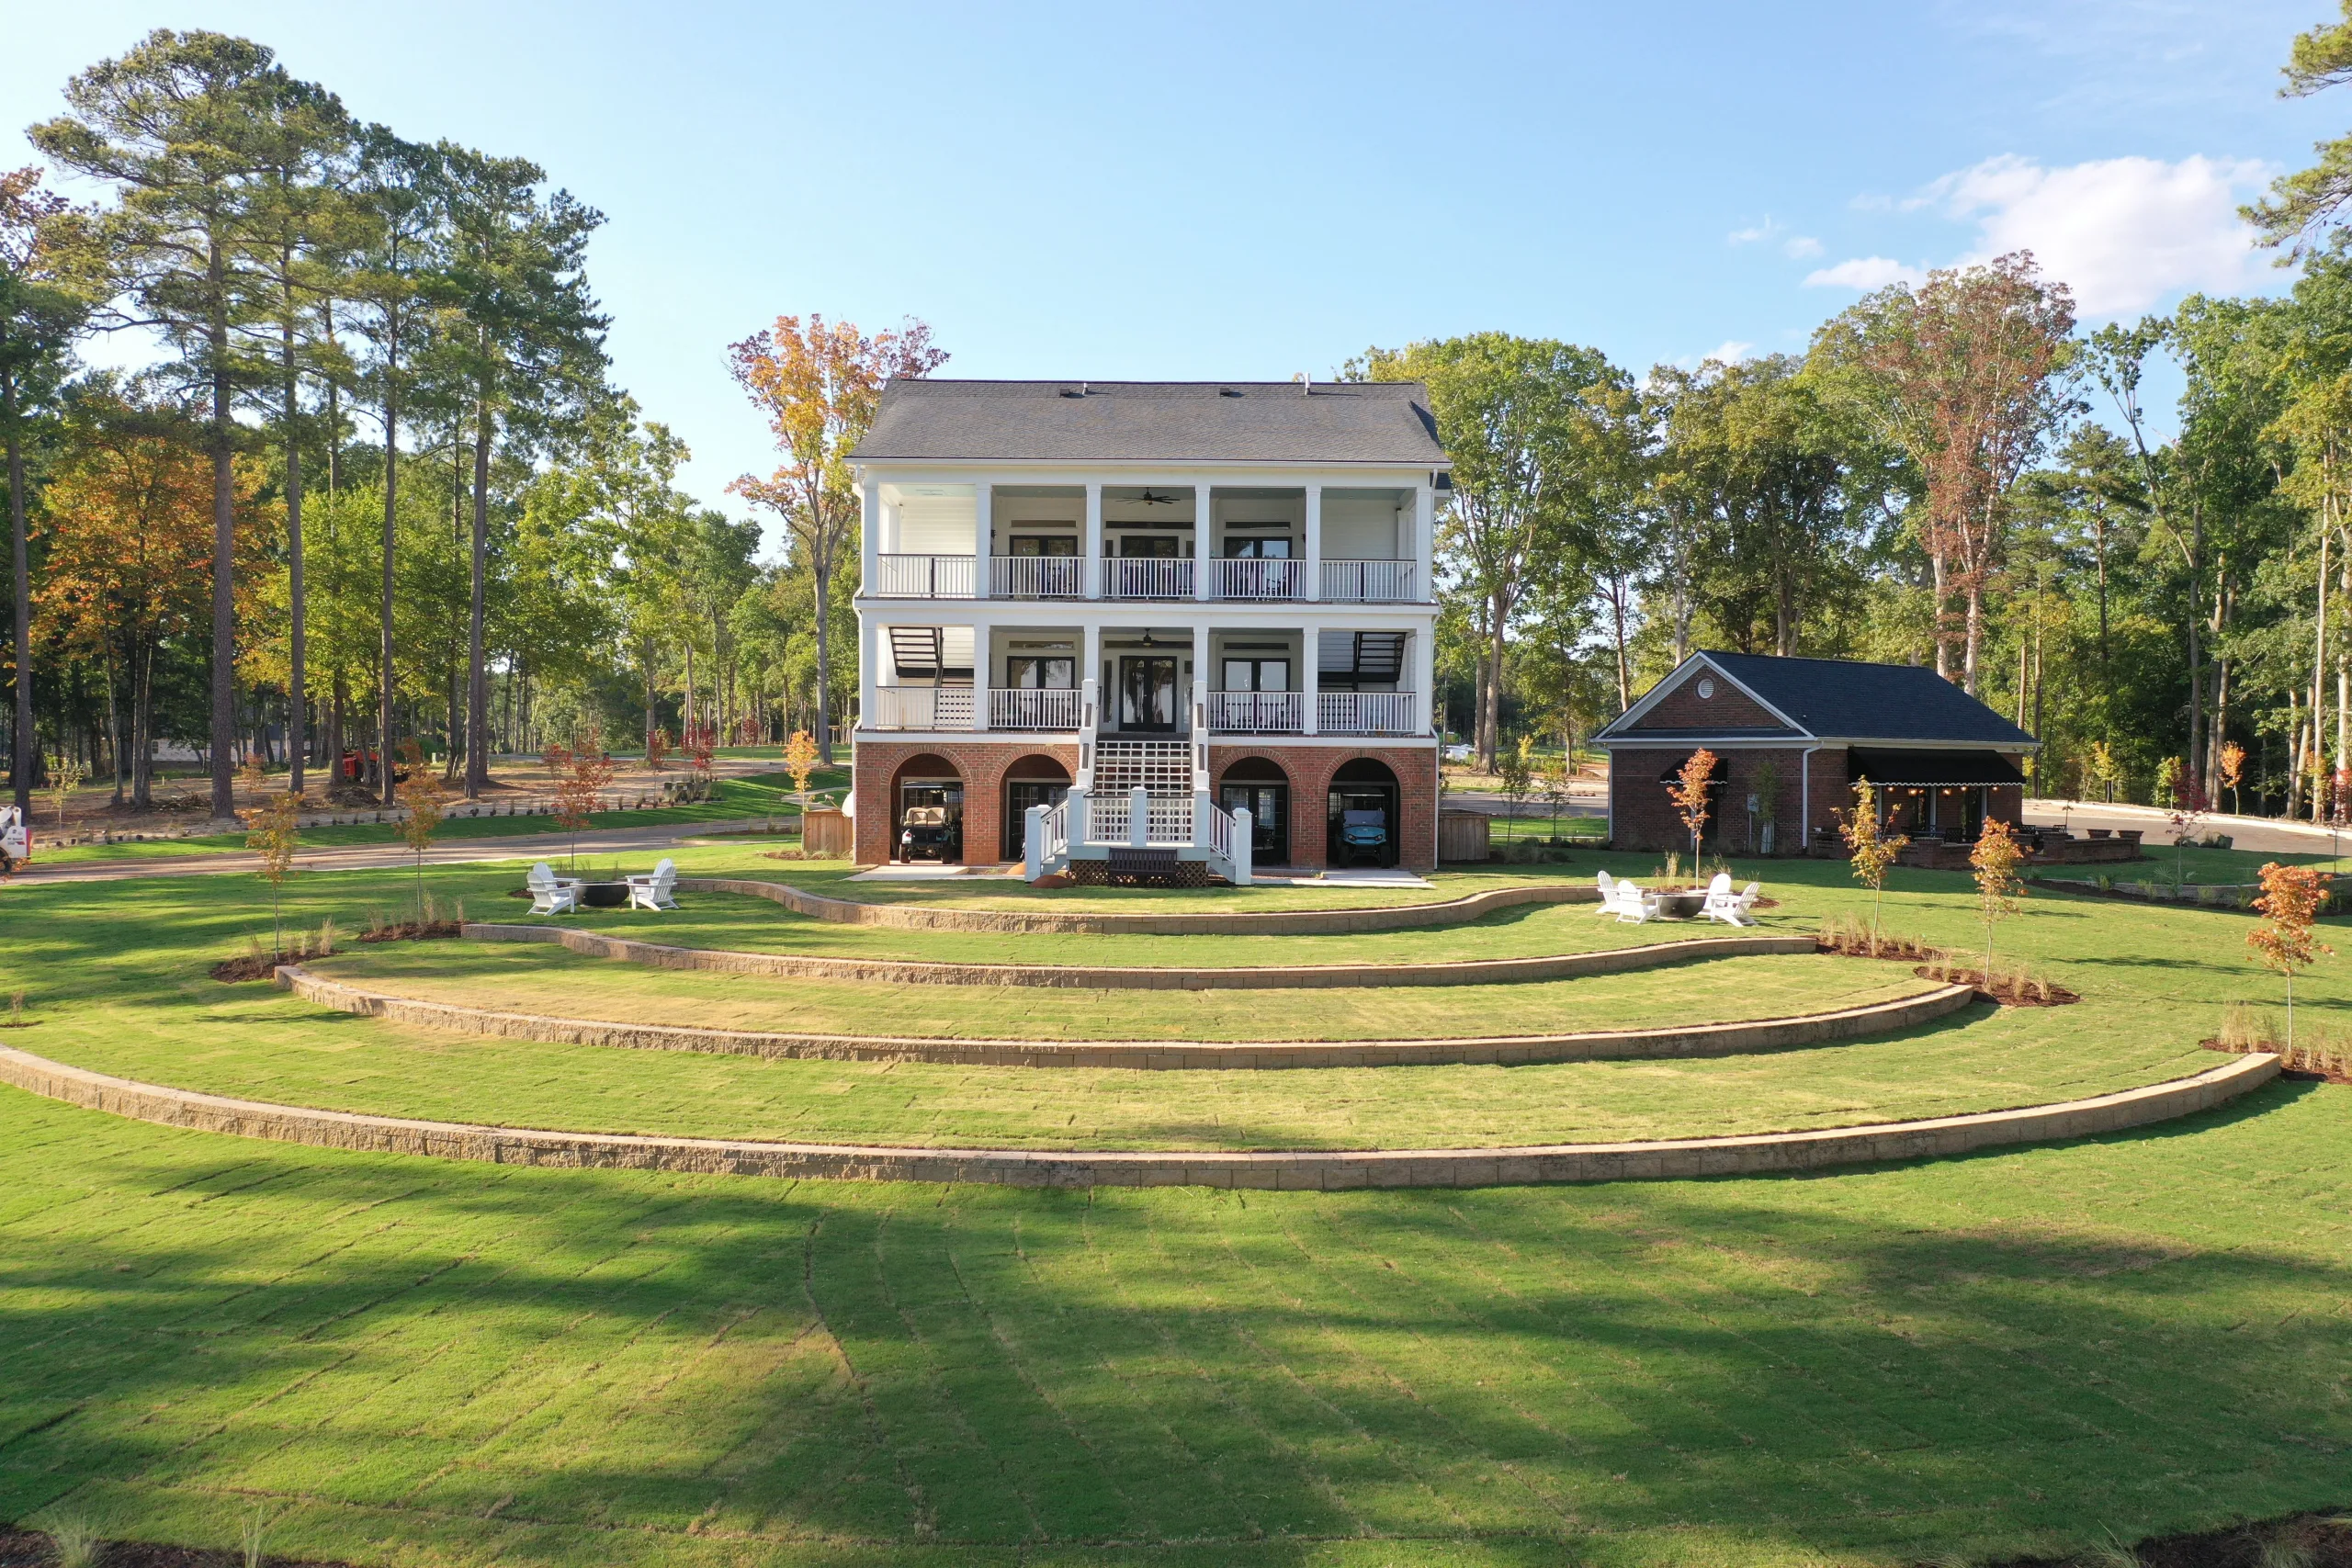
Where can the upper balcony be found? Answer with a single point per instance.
(1148, 543)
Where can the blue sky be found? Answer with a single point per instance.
(1247, 191)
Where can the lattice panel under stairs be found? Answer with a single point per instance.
(1163, 767)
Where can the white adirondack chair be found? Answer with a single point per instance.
(550, 893)
(1723, 905)
(1624, 897)
(653, 891)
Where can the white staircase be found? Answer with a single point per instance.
(1138, 794)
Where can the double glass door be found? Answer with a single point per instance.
(1269, 808)
(1148, 692)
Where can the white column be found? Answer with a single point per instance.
(1093, 568)
(1204, 530)
(1425, 673)
(1202, 675)
(1424, 542)
(981, 633)
(869, 534)
(1090, 646)
(1310, 680)
(869, 668)
(983, 537)
(1314, 567)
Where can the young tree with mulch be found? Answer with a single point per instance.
(579, 778)
(2292, 898)
(2232, 771)
(273, 830)
(427, 799)
(1873, 850)
(2188, 808)
(1689, 792)
(1995, 860)
(801, 761)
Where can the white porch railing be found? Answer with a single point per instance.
(1020, 707)
(1038, 577)
(1370, 713)
(923, 577)
(1258, 578)
(1368, 581)
(1147, 578)
(1257, 713)
(923, 707)
(1168, 820)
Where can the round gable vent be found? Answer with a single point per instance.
(1706, 688)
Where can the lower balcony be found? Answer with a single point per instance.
(921, 707)
(1336, 713)
(1033, 709)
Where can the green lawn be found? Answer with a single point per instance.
(744, 923)
(115, 972)
(404, 1361)
(759, 795)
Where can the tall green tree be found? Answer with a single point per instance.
(301, 224)
(48, 275)
(2303, 205)
(1541, 434)
(525, 348)
(399, 267)
(181, 127)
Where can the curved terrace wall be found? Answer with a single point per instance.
(1693, 1040)
(1756, 1154)
(1238, 922)
(1136, 977)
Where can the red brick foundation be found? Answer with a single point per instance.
(982, 764)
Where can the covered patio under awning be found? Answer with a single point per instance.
(1935, 794)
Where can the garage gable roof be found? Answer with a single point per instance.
(1838, 699)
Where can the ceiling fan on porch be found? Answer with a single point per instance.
(1152, 498)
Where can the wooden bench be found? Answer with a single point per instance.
(1143, 868)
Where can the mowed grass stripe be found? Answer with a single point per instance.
(1767, 1356)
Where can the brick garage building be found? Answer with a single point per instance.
(1794, 736)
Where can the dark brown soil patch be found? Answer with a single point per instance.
(249, 968)
(2319, 1540)
(2006, 991)
(28, 1549)
(412, 931)
(2299, 1063)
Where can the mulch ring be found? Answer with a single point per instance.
(25, 1549)
(2314, 1540)
(2003, 990)
(2316, 1066)
(261, 965)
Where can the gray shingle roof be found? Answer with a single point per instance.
(1265, 422)
(1869, 702)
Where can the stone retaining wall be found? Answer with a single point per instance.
(1235, 922)
(1755, 1155)
(1694, 1040)
(912, 972)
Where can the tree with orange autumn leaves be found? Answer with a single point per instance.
(129, 534)
(817, 386)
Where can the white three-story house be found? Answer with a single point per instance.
(1211, 599)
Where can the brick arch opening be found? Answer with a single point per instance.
(1364, 797)
(1031, 780)
(1261, 786)
(925, 785)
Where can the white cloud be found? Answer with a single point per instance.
(1730, 352)
(1804, 247)
(1764, 231)
(1864, 273)
(2123, 232)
